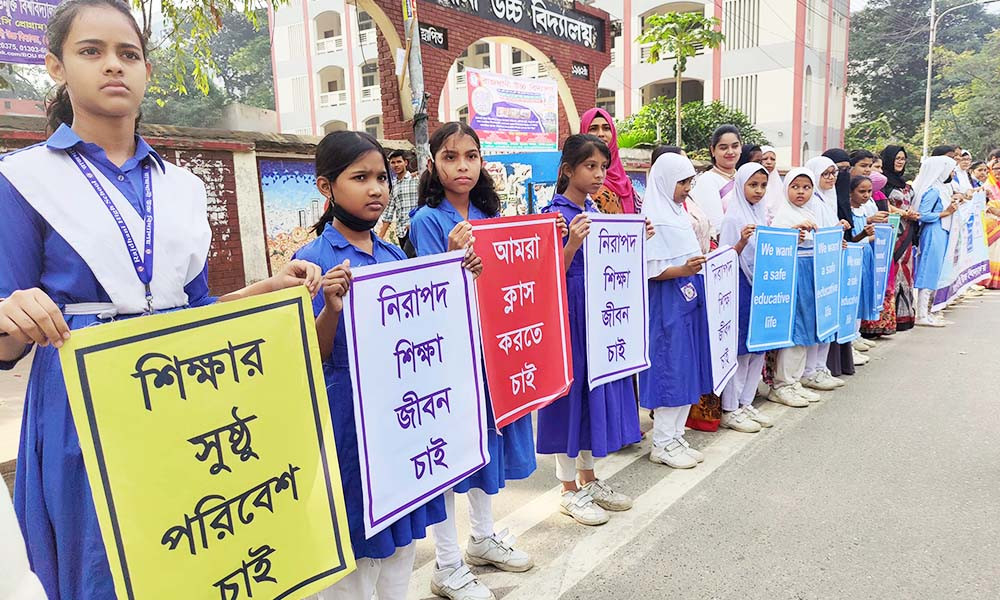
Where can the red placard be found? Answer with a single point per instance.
(523, 313)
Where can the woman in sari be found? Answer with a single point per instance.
(899, 195)
(993, 226)
(616, 196)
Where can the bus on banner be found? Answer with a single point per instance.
(513, 114)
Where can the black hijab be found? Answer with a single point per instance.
(843, 185)
(895, 179)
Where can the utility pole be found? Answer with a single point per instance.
(415, 66)
(927, 92)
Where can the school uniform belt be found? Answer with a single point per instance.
(104, 311)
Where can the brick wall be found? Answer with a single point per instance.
(215, 168)
(463, 31)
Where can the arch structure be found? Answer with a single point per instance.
(573, 44)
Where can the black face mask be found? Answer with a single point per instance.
(351, 221)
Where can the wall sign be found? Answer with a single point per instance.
(580, 70)
(434, 36)
(544, 17)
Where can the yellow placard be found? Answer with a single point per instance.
(209, 448)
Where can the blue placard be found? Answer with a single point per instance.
(826, 269)
(772, 309)
(850, 293)
(885, 236)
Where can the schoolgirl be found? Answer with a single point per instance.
(453, 191)
(799, 212)
(746, 212)
(584, 423)
(712, 186)
(933, 191)
(863, 231)
(352, 174)
(68, 263)
(680, 371)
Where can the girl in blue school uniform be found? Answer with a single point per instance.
(584, 423)
(934, 194)
(680, 371)
(747, 211)
(353, 175)
(453, 191)
(863, 231)
(66, 263)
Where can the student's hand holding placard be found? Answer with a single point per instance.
(31, 317)
(460, 236)
(335, 284)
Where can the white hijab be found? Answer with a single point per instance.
(674, 241)
(933, 171)
(740, 214)
(788, 214)
(772, 197)
(825, 201)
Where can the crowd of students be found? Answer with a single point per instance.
(59, 275)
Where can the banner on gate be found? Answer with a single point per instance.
(419, 404)
(522, 311)
(513, 113)
(884, 241)
(204, 484)
(852, 266)
(827, 249)
(722, 301)
(616, 297)
(967, 258)
(772, 309)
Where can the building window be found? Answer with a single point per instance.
(333, 86)
(742, 23)
(741, 93)
(482, 48)
(463, 114)
(373, 127)
(807, 95)
(606, 100)
(365, 21)
(517, 56)
(369, 74)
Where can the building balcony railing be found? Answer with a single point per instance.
(372, 92)
(528, 69)
(330, 44)
(367, 36)
(330, 99)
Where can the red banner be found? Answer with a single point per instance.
(522, 311)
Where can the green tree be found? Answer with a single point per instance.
(243, 60)
(189, 26)
(699, 121)
(175, 106)
(888, 59)
(968, 114)
(680, 35)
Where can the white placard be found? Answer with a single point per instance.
(616, 298)
(416, 369)
(722, 301)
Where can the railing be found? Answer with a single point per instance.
(329, 99)
(529, 69)
(367, 36)
(330, 44)
(372, 92)
(460, 79)
(644, 52)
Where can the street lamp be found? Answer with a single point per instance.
(935, 21)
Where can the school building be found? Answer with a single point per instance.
(783, 64)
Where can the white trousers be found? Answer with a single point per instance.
(923, 301)
(742, 388)
(567, 466)
(389, 577)
(668, 423)
(446, 548)
(816, 359)
(790, 365)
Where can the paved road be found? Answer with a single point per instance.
(888, 489)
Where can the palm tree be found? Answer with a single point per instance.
(680, 35)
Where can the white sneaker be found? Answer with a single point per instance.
(940, 319)
(859, 345)
(498, 550)
(927, 322)
(806, 394)
(672, 455)
(860, 359)
(695, 454)
(870, 343)
(581, 506)
(786, 395)
(459, 584)
(825, 375)
(816, 382)
(607, 498)
(739, 420)
(759, 417)
(978, 288)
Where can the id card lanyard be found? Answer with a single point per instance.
(142, 262)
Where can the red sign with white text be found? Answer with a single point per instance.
(523, 313)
